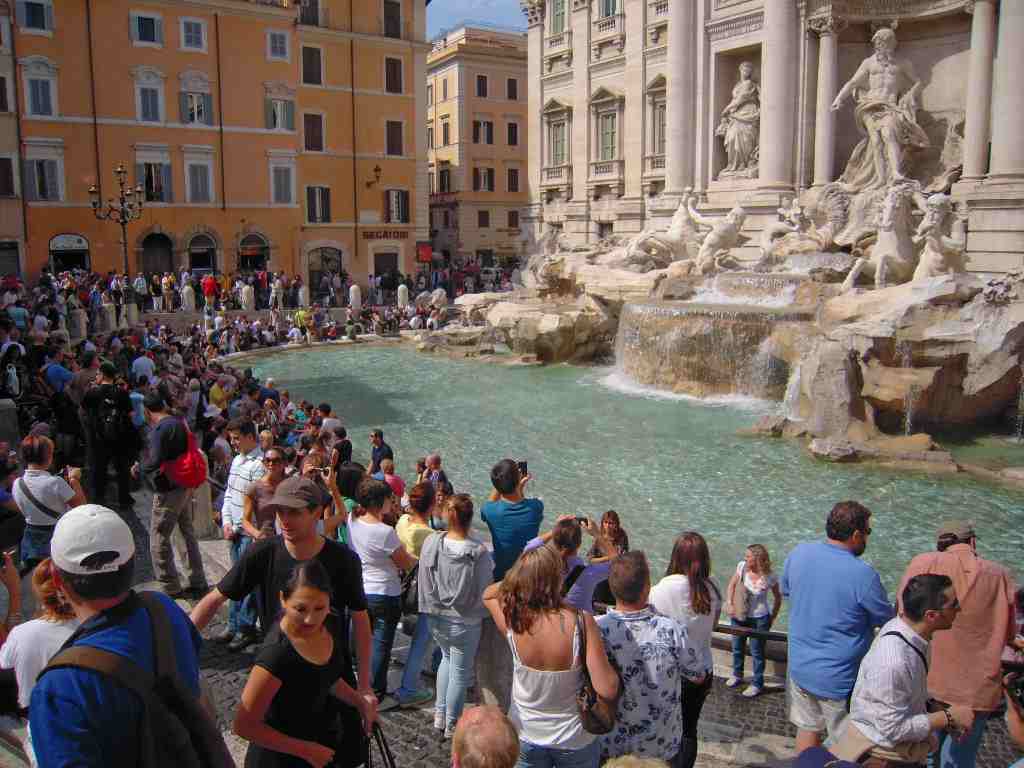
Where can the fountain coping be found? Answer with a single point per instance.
(724, 311)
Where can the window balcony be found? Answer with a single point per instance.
(558, 43)
(608, 27)
(606, 176)
(654, 166)
(657, 9)
(606, 169)
(556, 176)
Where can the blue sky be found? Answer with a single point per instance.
(442, 14)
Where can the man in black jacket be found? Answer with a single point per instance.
(108, 411)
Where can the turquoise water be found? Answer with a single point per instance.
(666, 464)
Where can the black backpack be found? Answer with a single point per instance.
(177, 730)
(110, 419)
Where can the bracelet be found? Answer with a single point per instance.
(950, 723)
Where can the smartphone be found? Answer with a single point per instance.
(523, 469)
(1016, 690)
(581, 520)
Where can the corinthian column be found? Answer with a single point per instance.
(679, 98)
(1007, 137)
(828, 29)
(978, 110)
(778, 94)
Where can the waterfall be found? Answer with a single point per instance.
(791, 400)
(1019, 430)
(906, 352)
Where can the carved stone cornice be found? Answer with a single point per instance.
(533, 10)
(969, 5)
(734, 26)
(880, 10)
(828, 24)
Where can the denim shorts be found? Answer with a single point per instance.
(35, 543)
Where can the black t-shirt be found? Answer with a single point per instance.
(302, 707)
(97, 394)
(378, 454)
(268, 564)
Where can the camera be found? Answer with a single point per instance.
(523, 470)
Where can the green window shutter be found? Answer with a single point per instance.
(311, 205)
(140, 176)
(325, 197)
(52, 183)
(183, 106)
(208, 109)
(167, 177)
(158, 26)
(289, 115)
(268, 113)
(48, 11)
(21, 13)
(28, 180)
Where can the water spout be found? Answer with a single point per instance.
(791, 400)
(1019, 431)
(906, 353)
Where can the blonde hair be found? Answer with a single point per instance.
(387, 466)
(761, 557)
(532, 587)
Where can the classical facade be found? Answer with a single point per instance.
(264, 133)
(754, 102)
(477, 140)
(12, 219)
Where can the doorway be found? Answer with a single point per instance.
(157, 254)
(202, 254)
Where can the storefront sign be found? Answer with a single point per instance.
(424, 252)
(386, 234)
(69, 243)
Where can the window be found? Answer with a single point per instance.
(608, 8)
(149, 104)
(446, 133)
(282, 179)
(4, 102)
(392, 18)
(196, 108)
(318, 205)
(658, 143)
(483, 179)
(277, 46)
(513, 219)
(444, 89)
(40, 99)
(156, 181)
(430, 135)
(481, 86)
(444, 181)
(557, 17)
(147, 29)
(393, 75)
(309, 13)
(430, 95)
(483, 219)
(312, 66)
(513, 134)
(313, 130)
(512, 89)
(608, 147)
(557, 144)
(44, 178)
(393, 130)
(512, 180)
(396, 206)
(7, 187)
(199, 187)
(280, 114)
(35, 16)
(193, 35)
(484, 128)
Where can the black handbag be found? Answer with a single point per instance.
(597, 714)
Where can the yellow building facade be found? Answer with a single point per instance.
(477, 137)
(264, 134)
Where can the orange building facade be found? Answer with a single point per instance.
(264, 134)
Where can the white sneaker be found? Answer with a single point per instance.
(438, 720)
(733, 682)
(752, 691)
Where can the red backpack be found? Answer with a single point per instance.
(187, 470)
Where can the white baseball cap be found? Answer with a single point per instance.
(87, 530)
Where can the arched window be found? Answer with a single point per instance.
(157, 254)
(202, 253)
(323, 262)
(253, 253)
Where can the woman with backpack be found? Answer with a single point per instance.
(285, 712)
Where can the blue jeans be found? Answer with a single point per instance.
(960, 754)
(35, 544)
(414, 661)
(532, 756)
(458, 641)
(242, 613)
(739, 646)
(385, 612)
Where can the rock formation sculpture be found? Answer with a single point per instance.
(713, 254)
(188, 298)
(653, 249)
(887, 119)
(740, 127)
(942, 255)
(403, 296)
(891, 258)
(248, 298)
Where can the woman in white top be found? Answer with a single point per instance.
(754, 574)
(688, 595)
(383, 556)
(528, 608)
(31, 645)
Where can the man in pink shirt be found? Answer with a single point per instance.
(965, 660)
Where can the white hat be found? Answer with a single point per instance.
(87, 530)
(211, 411)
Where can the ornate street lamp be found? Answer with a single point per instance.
(126, 207)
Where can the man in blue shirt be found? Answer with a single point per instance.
(836, 602)
(57, 376)
(512, 519)
(79, 716)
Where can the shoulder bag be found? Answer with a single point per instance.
(739, 599)
(597, 714)
(35, 502)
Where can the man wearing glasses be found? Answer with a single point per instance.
(965, 667)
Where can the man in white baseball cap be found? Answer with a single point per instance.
(82, 716)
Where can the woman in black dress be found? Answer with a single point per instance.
(285, 712)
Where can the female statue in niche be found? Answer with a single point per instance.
(741, 127)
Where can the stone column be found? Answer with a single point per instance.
(778, 94)
(1007, 137)
(828, 29)
(978, 125)
(534, 130)
(679, 99)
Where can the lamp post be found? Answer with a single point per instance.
(126, 207)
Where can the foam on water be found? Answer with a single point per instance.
(618, 381)
(783, 298)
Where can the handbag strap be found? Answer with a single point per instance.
(35, 502)
(581, 628)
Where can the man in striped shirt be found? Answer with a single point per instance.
(889, 724)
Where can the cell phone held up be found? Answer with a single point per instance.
(1016, 690)
(523, 468)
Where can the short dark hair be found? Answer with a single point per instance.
(154, 401)
(87, 358)
(462, 505)
(349, 475)
(100, 586)
(924, 593)
(505, 476)
(845, 519)
(242, 426)
(108, 370)
(372, 493)
(567, 535)
(324, 408)
(340, 433)
(377, 433)
(629, 576)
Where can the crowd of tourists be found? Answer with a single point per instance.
(335, 550)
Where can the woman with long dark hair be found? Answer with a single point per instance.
(689, 595)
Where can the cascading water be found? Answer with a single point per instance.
(906, 352)
(791, 400)
(1018, 433)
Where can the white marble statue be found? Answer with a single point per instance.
(403, 296)
(885, 91)
(891, 259)
(248, 298)
(188, 298)
(942, 254)
(303, 297)
(654, 249)
(741, 126)
(355, 298)
(724, 235)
